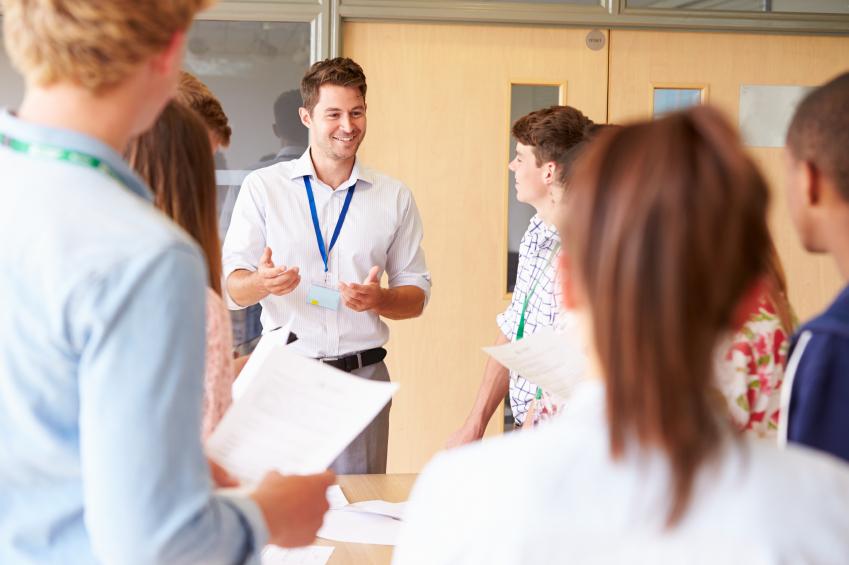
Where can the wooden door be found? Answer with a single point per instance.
(439, 118)
(721, 63)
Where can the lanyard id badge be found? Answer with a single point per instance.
(321, 294)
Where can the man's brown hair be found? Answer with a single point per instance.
(340, 71)
(175, 158)
(197, 96)
(95, 44)
(552, 132)
(819, 131)
(666, 232)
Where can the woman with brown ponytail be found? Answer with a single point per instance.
(174, 157)
(665, 252)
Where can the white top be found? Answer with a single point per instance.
(537, 272)
(383, 228)
(570, 503)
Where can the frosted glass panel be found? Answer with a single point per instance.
(766, 111)
(249, 65)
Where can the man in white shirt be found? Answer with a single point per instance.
(310, 238)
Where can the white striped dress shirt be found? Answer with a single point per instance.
(382, 228)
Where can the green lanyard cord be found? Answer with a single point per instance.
(55, 153)
(520, 333)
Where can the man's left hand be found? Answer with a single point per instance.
(366, 296)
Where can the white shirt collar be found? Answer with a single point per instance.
(304, 167)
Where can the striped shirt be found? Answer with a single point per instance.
(382, 228)
(535, 264)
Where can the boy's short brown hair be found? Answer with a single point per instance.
(552, 131)
(196, 95)
(340, 71)
(95, 44)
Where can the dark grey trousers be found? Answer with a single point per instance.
(367, 453)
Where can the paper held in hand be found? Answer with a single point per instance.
(295, 416)
(553, 360)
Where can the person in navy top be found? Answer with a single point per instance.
(816, 403)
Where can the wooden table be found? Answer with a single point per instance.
(392, 488)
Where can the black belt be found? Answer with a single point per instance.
(357, 360)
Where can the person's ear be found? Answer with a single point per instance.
(748, 304)
(567, 282)
(811, 183)
(549, 171)
(306, 119)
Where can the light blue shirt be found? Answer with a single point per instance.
(101, 372)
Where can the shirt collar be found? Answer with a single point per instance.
(304, 167)
(544, 230)
(22, 130)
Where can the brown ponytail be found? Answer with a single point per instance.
(666, 229)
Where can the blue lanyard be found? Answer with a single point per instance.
(318, 237)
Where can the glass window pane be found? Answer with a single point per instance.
(671, 99)
(524, 98)
(781, 6)
(255, 69)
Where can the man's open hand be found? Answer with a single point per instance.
(276, 280)
(366, 296)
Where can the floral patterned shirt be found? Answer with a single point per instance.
(752, 369)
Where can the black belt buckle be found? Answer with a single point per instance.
(354, 361)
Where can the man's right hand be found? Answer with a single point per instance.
(293, 506)
(276, 280)
(466, 434)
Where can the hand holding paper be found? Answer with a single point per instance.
(295, 416)
(293, 507)
(553, 360)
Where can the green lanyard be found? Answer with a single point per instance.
(521, 331)
(56, 153)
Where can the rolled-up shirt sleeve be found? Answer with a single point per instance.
(405, 261)
(147, 488)
(246, 236)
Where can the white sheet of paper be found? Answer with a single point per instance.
(550, 359)
(295, 417)
(335, 497)
(359, 527)
(311, 555)
(267, 343)
(379, 507)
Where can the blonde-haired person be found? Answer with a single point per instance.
(174, 159)
(102, 356)
(665, 241)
